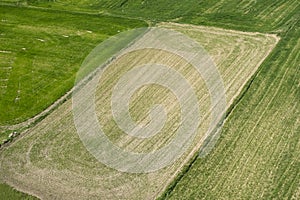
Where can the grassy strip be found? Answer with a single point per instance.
(262, 16)
(178, 178)
(9, 193)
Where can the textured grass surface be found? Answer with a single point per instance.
(51, 162)
(257, 156)
(265, 179)
(40, 55)
(268, 15)
(11, 194)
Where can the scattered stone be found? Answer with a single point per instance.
(41, 40)
(13, 134)
(3, 51)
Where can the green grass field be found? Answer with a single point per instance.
(247, 15)
(39, 57)
(257, 156)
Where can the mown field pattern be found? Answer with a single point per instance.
(247, 15)
(51, 162)
(39, 56)
(258, 154)
(262, 131)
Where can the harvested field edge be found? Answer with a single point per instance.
(187, 166)
(286, 37)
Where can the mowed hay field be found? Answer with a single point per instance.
(40, 55)
(258, 154)
(50, 161)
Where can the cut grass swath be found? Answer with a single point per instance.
(52, 149)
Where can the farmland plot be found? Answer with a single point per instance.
(50, 160)
(246, 15)
(39, 56)
(258, 155)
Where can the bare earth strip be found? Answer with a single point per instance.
(50, 161)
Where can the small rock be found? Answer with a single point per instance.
(41, 40)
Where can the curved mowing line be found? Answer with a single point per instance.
(59, 155)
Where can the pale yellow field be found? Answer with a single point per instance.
(50, 161)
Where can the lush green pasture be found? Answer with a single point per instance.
(11, 194)
(40, 53)
(257, 156)
(267, 15)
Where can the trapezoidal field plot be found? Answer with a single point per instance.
(50, 161)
